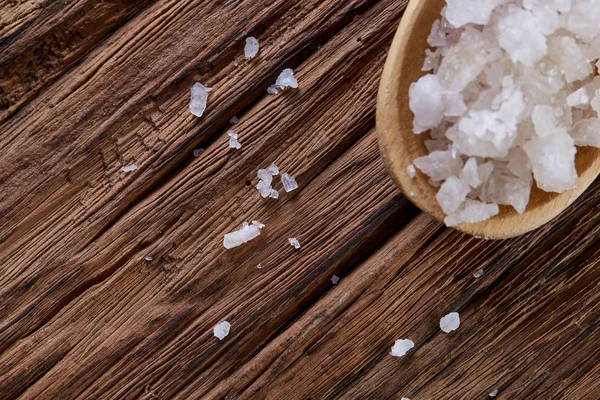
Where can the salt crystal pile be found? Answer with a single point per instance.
(286, 79)
(251, 48)
(233, 140)
(199, 99)
(401, 347)
(289, 183)
(294, 242)
(450, 322)
(265, 178)
(510, 94)
(245, 234)
(129, 168)
(221, 330)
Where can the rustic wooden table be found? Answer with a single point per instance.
(88, 86)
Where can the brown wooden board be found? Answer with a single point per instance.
(88, 87)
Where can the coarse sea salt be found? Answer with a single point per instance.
(335, 279)
(494, 393)
(129, 168)
(286, 79)
(479, 274)
(251, 48)
(511, 92)
(243, 235)
(294, 242)
(199, 99)
(289, 183)
(233, 140)
(450, 322)
(265, 178)
(221, 330)
(401, 347)
(198, 152)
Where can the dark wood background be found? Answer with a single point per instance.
(87, 86)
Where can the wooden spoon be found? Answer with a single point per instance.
(400, 146)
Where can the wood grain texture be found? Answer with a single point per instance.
(83, 314)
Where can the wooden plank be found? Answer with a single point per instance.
(53, 220)
(40, 42)
(528, 314)
(115, 307)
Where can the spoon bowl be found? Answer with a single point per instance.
(399, 146)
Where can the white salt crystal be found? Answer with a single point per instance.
(198, 152)
(570, 57)
(198, 99)
(335, 279)
(251, 48)
(579, 98)
(462, 12)
(274, 194)
(286, 79)
(294, 242)
(243, 235)
(587, 132)
(401, 347)
(520, 36)
(272, 90)
(472, 211)
(426, 103)
(148, 258)
(479, 274)
(289, 183)
(233, 142)
(258, 224)
(405, 398)
(439, 165)
(129, 168)
(411, 171)
(494, 393)
(259, 266)
(273, 169)
(234, 120)
(470, 173)
(265, 176)
(264, 189)
(221, 330)
(452, 194)
(450, 322)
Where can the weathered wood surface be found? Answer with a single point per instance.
(87, 87)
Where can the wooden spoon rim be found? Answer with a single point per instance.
(399, 146)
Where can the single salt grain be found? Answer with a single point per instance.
(294, 242)
(405, 398)
(272, 90)
(286, 79)
(450, 322)
(411, 171)
(289, 183)
(198, 152)
(273, 169)
(251, 48)
(198, 99)
(234, 120)
(265, 176)
(494, 393)
(479, 274)
(243, 235)
(148, 258)
(129, 168)
(274, 194)
(233, 142)
(264, 189)
(259, 266)
(221, 330)
(401, 347)
(335, 279)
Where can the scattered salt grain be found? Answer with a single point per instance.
(243, 235)
(405, 398)
(494, 393)
(273, 169)
(129, 168)
(289, 183)
(335, 279)
(234, 120)
(148, 258)
(198, 152)
(251, 48)
(411, 171)
(274, 194)
(479, 274)
(450, 322)
(286, 79)
(401, 347)
(221, 330)
(198, 99)
(259, 266)
(233, 140)
(272, 90)
(294, 242)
